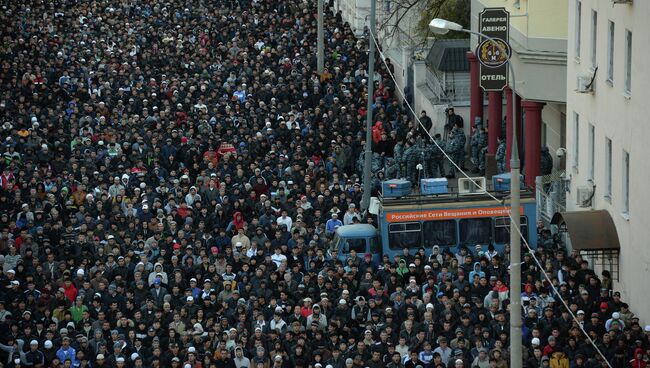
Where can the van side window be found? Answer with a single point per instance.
(502, 229)
(405, 235)
(442, 233)
(475, 231)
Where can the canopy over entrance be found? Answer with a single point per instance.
(589, 230)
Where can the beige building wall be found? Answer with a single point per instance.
(619, 115)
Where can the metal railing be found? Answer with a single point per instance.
(551, 195)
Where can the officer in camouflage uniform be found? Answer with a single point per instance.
(482, 147)
(412, 158)
(456, 149)
(376, 163)
(392, 169)
(473, 142)
(546, 162)
(398, 155)
(501, 156)
(434, 158)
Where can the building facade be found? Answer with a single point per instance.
(607, 129)
(538, 38)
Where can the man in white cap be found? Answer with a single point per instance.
(100, 360)
(332, 224)
(120, 362)
(616, 318)
(34, 357)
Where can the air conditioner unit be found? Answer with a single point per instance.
(471, 185)
(585, 83)
(622, 1)
(583, 196)
(375, 203)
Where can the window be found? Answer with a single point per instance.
(628, 62)
(475, 231)
(502, 229)
(610, 52)
(358, 245)
(336, 242)
(578, 25)
(576, 140)
(592, 148)
(375, 244)
(594, 37)
(441, 233)
(404, 235)
(608, 168)
(626, 182)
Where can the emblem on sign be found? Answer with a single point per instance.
(492, 55)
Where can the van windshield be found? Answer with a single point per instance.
(358, 245)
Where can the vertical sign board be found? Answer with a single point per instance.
(495, 23)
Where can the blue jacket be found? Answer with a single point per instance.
(476, 271)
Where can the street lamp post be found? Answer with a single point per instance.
(367, 159)
(441, 26)
(320, 45)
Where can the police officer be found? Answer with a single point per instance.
(434, 158)
(475, 141)
(412, 158)
(482, 148)
(456, 149)
(501, 156)
(398, 155)
(392, 168)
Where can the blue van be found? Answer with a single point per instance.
(362, 238)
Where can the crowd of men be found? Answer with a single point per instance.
(172, 174)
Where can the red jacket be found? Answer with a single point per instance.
(70, 292)
(377, 131)
(637, 363)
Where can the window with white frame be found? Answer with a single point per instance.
(594, 37)
(628, 62)
(576, 140)
(592, 148)
(578, 25)
(608, 168)
(626, 182)
(610, 51)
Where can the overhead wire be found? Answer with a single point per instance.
(382, 57)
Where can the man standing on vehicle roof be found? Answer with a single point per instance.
(501, 155)
(434, 157)
(456, 149)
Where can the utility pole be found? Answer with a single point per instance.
(515, 242)
(441, 26)
(367, 166)
(321, 39)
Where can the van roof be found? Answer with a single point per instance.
(356, 230)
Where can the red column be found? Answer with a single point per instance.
(519, 120)
(509, 102)
(495, 105)
(476, 92)
(533, 140)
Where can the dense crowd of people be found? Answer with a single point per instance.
(172, 174)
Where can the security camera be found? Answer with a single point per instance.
(561, 152)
